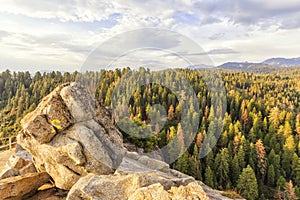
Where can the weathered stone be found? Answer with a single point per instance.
(214, 194)
(75, 152)
(49, 194)
(18, 187)
(16, 165)
(50, 159)
(22, 153)
(133, 155)
(157, 192)
(113, 186)
(178, 174)
(137, 179)
(94, 154)
(132, 148)
(192, 191)
(39, 127)
(50, 117)
(129, 165)
(112, 132)
(84, 145)
(154, 164)
(17, 162)
(29, 168)
(152, 192)
(79, 102)
(70, 155)
(133, 186)
(8, 172)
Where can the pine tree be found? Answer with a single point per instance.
(271, 175)
(222, 167)
(171, 113)
(209, 177)
(180, 137)
(182, 163)
(260, 152)
(287, 158)
(199, 140)
(274, 117)
(297, 191)
(278, 195)
(281, 182)
(241, 157)
(289, 191)
(235, 170)
(296, 173)
(247, 184)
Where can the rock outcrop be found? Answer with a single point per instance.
(67, 140)
(73, 144)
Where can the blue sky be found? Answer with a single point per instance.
(49, 35)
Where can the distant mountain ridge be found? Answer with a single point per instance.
(271, 63)
(237, 65)
(283, 62)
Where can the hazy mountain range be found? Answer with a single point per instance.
(272, 62)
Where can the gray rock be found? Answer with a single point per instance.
(154, 164)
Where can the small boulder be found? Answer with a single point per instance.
(18, 164)
(19, 187)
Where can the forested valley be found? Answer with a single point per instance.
(257, 154)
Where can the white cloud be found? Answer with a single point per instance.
(50, 33)
(70, 10)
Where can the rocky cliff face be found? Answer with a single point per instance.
(71, 142)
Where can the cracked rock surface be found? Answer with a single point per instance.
(67, 139)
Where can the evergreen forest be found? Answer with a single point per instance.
(257, 154)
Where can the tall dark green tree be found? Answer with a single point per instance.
(247, 184)
(209, 177)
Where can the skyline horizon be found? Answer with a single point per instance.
(203, 66)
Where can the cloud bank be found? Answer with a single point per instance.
(49, 34)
